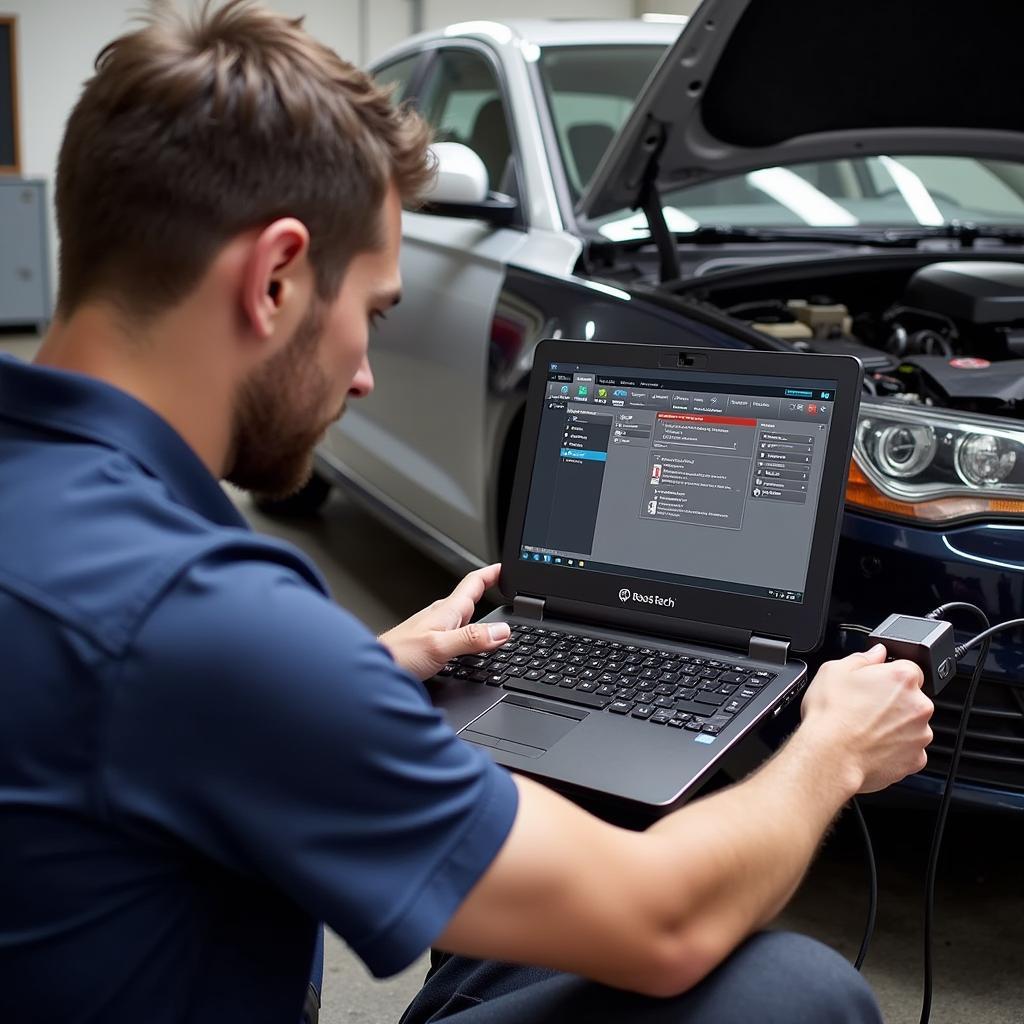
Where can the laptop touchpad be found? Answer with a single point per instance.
(521, 729)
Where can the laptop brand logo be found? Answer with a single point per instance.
(625, 594)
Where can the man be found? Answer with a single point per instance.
(201, 756)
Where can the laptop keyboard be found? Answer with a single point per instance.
(661, 687)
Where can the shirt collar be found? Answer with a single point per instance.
(74, 403)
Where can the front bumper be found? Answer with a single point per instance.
(886, 567)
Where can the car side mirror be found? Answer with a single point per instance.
(461, 188)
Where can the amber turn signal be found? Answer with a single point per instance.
(862, 493)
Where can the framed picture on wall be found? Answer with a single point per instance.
(10, 162)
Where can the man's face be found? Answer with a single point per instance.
(286, 405)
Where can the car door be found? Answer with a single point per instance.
(418, 442)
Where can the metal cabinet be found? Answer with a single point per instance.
(25, 298)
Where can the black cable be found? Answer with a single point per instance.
(893, 313)
(869, 926)
(869, 850)
(940, 821)
(984, 639)
(948, 789)
(998, 628)
(943, 609)
(852, 627)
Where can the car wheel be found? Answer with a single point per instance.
(304, 502)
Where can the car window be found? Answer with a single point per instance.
(463, 103)
(399, 73)
(590, 91)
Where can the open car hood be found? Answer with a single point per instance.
(762, 83)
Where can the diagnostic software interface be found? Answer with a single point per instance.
(697, 478)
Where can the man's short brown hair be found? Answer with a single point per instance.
(193, 130)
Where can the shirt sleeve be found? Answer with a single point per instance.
(260, 723)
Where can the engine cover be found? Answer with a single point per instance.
(987, 293)
(970, 383)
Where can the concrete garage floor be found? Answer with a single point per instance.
(979, 934)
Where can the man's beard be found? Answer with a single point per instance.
(280, 416)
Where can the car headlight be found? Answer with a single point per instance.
(985, 459)
(901, 450)
(934, 465)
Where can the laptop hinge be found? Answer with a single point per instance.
(528, 607)
(762, 648)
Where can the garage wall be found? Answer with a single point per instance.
(686, 7)
(58, 41)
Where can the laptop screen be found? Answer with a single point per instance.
(709, 480)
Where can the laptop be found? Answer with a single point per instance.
(670, 546)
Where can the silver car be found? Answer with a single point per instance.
(774, 176)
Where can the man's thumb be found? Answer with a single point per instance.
(873, 655)
(474, 638)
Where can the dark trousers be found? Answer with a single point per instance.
(773, 978)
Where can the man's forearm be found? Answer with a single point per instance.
(653, 911)
(736, 857)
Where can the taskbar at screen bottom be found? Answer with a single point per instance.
(561, 560)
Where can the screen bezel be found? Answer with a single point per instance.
(802, 624)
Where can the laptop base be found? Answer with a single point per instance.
(590, 750)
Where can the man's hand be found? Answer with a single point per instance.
(875, 713)
(442, 631)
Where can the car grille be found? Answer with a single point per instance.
(994, 747)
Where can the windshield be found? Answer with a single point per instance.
(591, 89)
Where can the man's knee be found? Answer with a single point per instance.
(796, 979)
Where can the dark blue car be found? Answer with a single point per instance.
(777, 176)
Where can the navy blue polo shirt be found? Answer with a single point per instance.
(201, 755)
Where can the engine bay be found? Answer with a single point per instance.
(947, 334)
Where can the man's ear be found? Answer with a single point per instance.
(277, 279)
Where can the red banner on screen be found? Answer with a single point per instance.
(696, 417)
